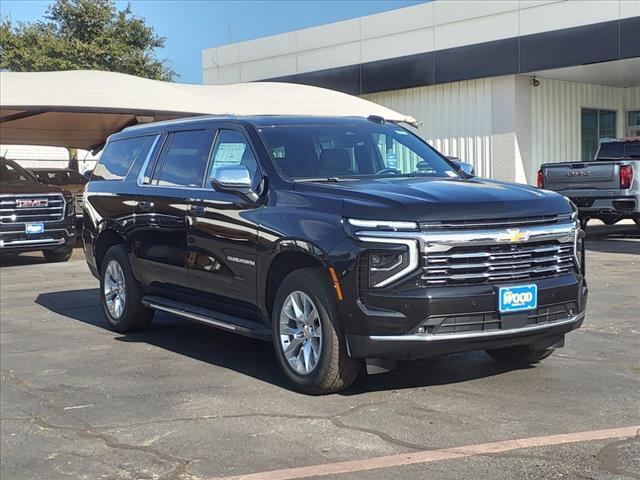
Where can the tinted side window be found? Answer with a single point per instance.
(118, 156)
(232, 148)
(185, 159)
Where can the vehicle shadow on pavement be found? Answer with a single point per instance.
(613, 239)
(256, 358)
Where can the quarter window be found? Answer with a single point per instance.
(118, 156)
(185, 159)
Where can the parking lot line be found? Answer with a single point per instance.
(428, 456)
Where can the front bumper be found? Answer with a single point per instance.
(54, 236)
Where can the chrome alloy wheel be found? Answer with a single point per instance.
(115, 294)
(300, 332)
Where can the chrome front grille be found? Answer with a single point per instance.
(78, 198)
(497, 263)
(31, 208)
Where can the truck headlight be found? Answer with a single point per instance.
(579, 251)
(71, 205)
(383, 266)
(386, 266)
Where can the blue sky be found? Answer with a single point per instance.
(192, 25)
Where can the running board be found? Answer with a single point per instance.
(238, 325)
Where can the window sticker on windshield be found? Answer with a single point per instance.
(451, 173)
(392, 160)
(229, 154)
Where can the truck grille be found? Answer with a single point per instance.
(497, 263)
(30, 208)
(491, 321)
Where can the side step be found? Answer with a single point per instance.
(238, 325)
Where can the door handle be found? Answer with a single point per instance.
(196, 209)
(144, 205)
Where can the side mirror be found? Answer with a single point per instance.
(464, 167)
(233, 179)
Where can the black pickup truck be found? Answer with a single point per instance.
(34, 217)
(343, 240)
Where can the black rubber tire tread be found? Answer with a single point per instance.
(58, 255)
(135, 316)
(336, 371)
(519, 355)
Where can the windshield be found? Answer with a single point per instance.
(615, 150)
(13, 174)
(60, 177)
(351, 150)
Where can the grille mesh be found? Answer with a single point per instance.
(11, 213)
(493, 263)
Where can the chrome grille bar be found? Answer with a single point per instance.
(11, 214)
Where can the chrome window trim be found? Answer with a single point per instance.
(413, 256)
(147, 159)
(485, 334)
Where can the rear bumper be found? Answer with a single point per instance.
(596, 206)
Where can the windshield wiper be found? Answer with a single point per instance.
(322, 179)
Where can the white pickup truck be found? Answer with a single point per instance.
(607, 188)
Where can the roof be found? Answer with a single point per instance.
(82, 108)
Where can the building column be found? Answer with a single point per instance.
(511, 128)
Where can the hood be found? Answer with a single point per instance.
(27, 188)
(438, 199)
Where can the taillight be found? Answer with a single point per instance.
(626, 176)
(540, 179)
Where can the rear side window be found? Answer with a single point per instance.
(185, 159)
(118, 156)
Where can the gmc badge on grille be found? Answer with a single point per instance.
(579, 173)
(31, 202)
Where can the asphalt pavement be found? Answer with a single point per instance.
(185, 401)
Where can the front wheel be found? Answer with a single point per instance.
(121, 294)
(58, 255)
(519, 355)
(309, 345)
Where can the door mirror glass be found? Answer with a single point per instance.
(233, 179)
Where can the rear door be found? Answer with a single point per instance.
(222, 233)
(162, 206)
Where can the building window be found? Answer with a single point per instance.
(596, 126)
(634, 124)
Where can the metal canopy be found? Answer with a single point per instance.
(81, 108)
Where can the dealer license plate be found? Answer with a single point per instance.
(33, 228)
(516, 299)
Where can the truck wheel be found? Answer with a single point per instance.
(309, 344)
(519, 355)
(121, 294)
(58, 255)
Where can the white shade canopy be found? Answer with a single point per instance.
(81, 108)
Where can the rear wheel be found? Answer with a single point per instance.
(121, 294)
(309, 344)
(519, 355)
(58, 255)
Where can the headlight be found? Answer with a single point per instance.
(71, 205)
(579, 251)
(383, 267)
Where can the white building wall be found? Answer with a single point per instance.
(34, 156)
(556, 116)
(455, 118)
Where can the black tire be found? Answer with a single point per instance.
(334, 370)
(519, 355)
(135, 316)
(58, 255)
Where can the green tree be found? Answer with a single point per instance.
(84, 34)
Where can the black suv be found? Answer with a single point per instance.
(339, 239)
(34, 217)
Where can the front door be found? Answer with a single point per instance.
(161, 212)
(222, 234)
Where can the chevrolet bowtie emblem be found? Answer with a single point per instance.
(513, 235)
